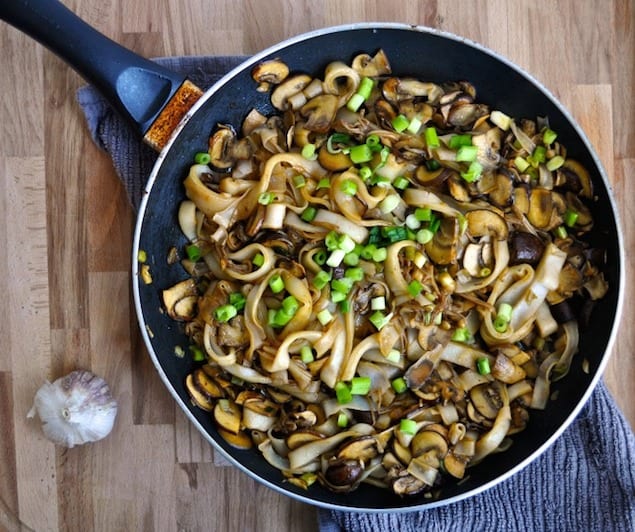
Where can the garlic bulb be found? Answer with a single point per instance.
(75, 409)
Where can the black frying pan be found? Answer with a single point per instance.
(139, 90)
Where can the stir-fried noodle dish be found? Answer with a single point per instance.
(382, 276)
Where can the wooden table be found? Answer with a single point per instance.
(66, 240)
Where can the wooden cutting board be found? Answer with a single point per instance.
(66, 232)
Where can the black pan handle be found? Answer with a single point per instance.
(136, 87)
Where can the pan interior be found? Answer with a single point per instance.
(424, 54)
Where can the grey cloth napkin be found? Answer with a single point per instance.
(584, 482)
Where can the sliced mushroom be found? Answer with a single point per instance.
(540, 208)
(426, 441)
(407, 484)
(465, 114)
(221, 145)
(397, 89)
(269, 73)
(239, 440)
(418, 373)
(432, 178)
(575, 177)
(363, 449)
(180, 300)
(486, 400)
(320, 112)
(478, 258)
(482, 222)
(506, 371)
(368, 66)
(458, 189)
(343, 475)
(301, 437)
(385, 113)
(207, 384)
(525, 248)
(289, 88)
(335, 162)
(442, 248)
(199, 398)
(228, 416)
(455, 464)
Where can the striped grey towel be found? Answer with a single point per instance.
(584, 482)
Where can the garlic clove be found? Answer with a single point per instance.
(75, 409)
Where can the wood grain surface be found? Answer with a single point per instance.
(66, 230)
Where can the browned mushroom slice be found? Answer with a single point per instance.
(455, 464)
(540, 208)
(465, 114)
(432, 178)
(398, 89)
(320, 112)
(418, 373)
(408, 485)
(239, 440)
(576, 178)
(584, 219)
(206, 384)
(506, 371)
(442, 248)
(363, 449)
(431, 444)
(335, 162)
(385, 113)
(478, 258)
(298, 438)
(269, 73)
(343, 475)
(482, 222)
(228, 416)
(289, 88)
(221, 145)
(199, 398)
(521, 199)
(525, 248)
(458, 189)
(486, 400)
(377, 65)
(502, 194)
(180, 300)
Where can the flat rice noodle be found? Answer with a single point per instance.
(392, 268)
(332, 368)
(206, 200)
(350, 366)
(282, 359)
(249, 252)
(336, 222)
(490, 441)
(463, 355)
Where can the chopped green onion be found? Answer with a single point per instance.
(367, 252)
(414, 126)
(343, 393)
(202, 158)
(380, 255)
(435, 223)
(342, 285)
(365, 87)
(299, 181)
(432, 139)
(258, 260)
(278, 318)
(308, 151)
(393, 356)
(357, 274)
(408, 426)
(321, 279)
(414, 288)
(198, 355)
(238, 300)
(342, 419)
(462, 334)
(400, 182)
(399, 385)
(365, 173)
(389, 203)
(324, 316)
(467, 154)
(349, 187)
(290, 305)
(473, 172)
(355, 102)
(339, 138)
(332, 241)
(424, 236)
(500, 119)
(549, 136)
(432, 164)
(374, 142)
(412, 222)
(336, 258)
(266, 198)
(345, 306)
(570, 217)
(338, 297)
(521, 163)
(503, 317)
(306, 354)
(193, 252)
(325, 182)
(482, 364)
(456, 141)
(276, 283)
(554, 163)
(379, 320)
(308, 214)
(351, 259)
(320, 257)
(400, 123)
(360, 385)
(423, 214)
(378, 303)
(224, 313)
(561, 231)
(346, 244)
(539, 156)
(142, 256)
(360, 154)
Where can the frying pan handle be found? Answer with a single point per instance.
(136, 87)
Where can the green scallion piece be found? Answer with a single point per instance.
(306, 354)
(456, 141)
(414, 126)
(238, 300)
(423, 214)
(343, 393)
(355, 102)
(423, 236)
(467, 154)
(325, 182)
(554, 163)
(570, 217)
(408, 426)
(399, 385)
(349, 187)
(374, 142)
(266, 198)
(435, 223)
(342, 285)
(462, 334)
(412, 222)
(561, 231)
(299, 181)
(365, 173)
(278, 318)
(332, 241)
(202, 158)
(432, 164)
(482, 365)
(379, 320)
(321, 279)
(360, 385)
(336, 258)
(290, 305)
(308, 214)
(549, 136)
(389, 203)
(504, 312)
(276, 283)
(357, 274)
(473, 172)
(360, 154)
(309, 151)
(400, 123)
(431, 137)
(258, 260)
(319, 257)
(378, 303)
(367, 251)
(324, 316)
(521, 163)
(380, 255)
(351, 259)
(224, 313)
(198, 355)
(345, 306)
(342, 420)
(193, 252)
(539, 156)
(393, 356)
(400, 183)
(365, 87)
(414, 288)
(338, 297)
